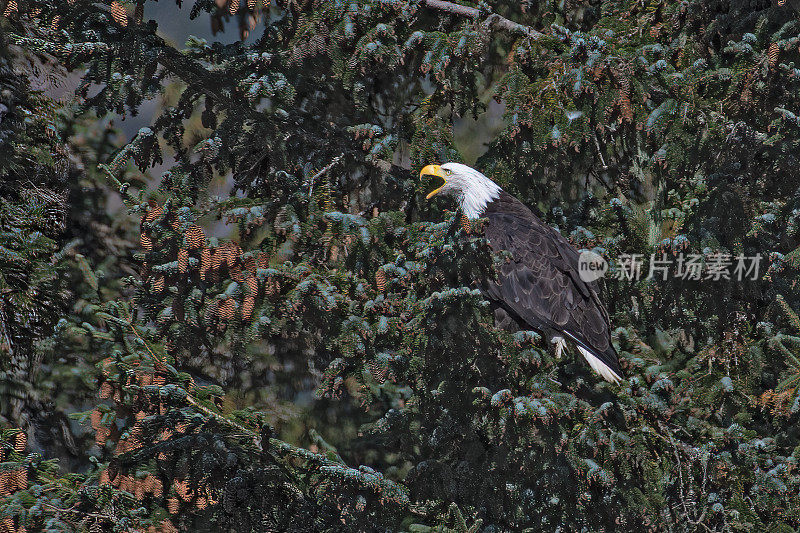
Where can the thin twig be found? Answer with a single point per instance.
(493, 20)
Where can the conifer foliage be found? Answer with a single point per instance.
(310, 352)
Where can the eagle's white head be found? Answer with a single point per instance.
(472, 189)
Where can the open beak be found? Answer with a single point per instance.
(433, 170)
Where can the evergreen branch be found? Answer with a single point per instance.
(493, 20)
(223, 419)
(159, 361)
(322, 171)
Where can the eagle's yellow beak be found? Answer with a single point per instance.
(433, 170)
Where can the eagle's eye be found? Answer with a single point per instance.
(448, 171)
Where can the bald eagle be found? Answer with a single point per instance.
(540, 287)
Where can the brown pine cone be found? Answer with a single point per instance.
(106, 390)
(183, 260)
(154, 212)
(772, 53)
(252, 285)
(146, 241)
(380, 280)
(5, 483)
(248, 304)
(158, 284)
(466, 226)
(20, 442)
(205, 262)
(227, 309)
(195, 237)
(119, 13)
(96, 419)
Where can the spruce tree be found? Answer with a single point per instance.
(310, 352)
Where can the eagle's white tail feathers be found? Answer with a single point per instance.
(600, 367)
(560, 344)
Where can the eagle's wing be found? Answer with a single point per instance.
(541, 286)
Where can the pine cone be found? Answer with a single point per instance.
(5, 483)
(213, 311)
(146, 241)
(182, 488)
(158, 284)
(138, 489)
(233, 6)
(96, 418)
(466, 226)
(772, 53)
(195, 237)
(247, 307)
(236, 272)
(250, 263)
(134, 439)
(8, 523)
(252, 285)
(205, 262)
(271, 286)
(227, 309)
(168, 527)
(11, 8)
(158, 488)
(380, 280)
(173, 505)
(378, 371)
(154, 212)
(119, 13)
(106, 390)
(20, 479)
(148, 483)
(217, 259)
(235, 254)
(183, 260)
(20, 442)
(101, 436)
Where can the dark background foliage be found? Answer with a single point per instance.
(244, 315)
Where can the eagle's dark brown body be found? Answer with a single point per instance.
(540, 287)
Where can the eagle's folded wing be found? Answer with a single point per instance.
(541, 285)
